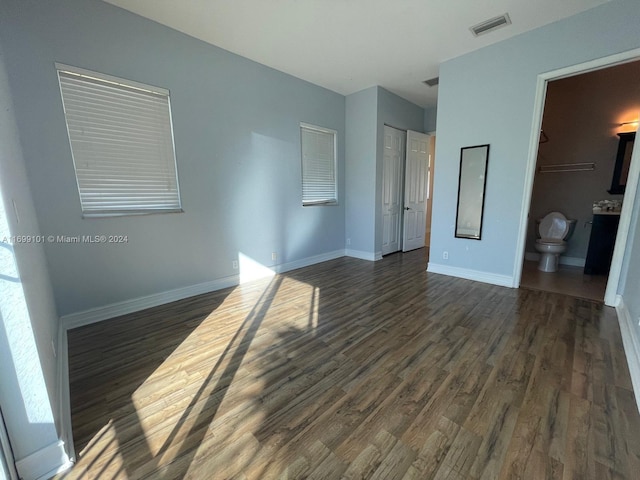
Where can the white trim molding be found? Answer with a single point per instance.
(305, 262)
(44, 463)
(94, 315)
(632, 184)
(362, 255)
(7, 462)
(631, 343)
(125, 307)
(64, 399)
(477, 275)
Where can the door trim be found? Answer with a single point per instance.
(6, 450)
(632, 185)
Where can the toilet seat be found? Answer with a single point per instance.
(553, 227)
(550, 241)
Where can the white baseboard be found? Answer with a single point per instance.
(362, 255)
(305, 262)
(64, 399)
(631, 343)
(44, 463)
(87, 317)
(125, 307)
(571, 261)
(478, 276)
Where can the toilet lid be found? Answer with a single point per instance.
(554, 226)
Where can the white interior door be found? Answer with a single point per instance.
(415, 190)
(432, 160)
(392, 178)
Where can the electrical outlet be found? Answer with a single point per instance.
(234, 264)
(274, 256)
(445, 255)
(348, 241)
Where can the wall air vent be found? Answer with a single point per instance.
(432, 82)
(491, 25)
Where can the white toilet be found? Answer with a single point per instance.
(554, 231)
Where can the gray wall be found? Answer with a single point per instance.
(487, 96)
(582, 117)
(237, 143)
(28, 319)
(430, 119)
(367, 112)
(361, 119)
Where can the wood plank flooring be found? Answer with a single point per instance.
(353, 369)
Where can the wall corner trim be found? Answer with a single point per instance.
(631, 343)
(476, 275)
(45, 463)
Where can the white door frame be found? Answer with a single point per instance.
(610, 297)
(5, 451)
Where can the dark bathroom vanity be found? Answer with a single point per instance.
(601, 243)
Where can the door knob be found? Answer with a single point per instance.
(407, 208)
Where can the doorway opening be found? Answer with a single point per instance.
(405, 189)
(571, 168)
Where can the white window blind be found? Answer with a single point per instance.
(122, 144)
(319, 185)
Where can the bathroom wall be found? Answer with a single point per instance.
(582, 116)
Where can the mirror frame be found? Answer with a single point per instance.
(618, 185)
(458, 234)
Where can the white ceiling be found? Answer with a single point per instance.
(349, 45)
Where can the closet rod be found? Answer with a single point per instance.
(567, 167)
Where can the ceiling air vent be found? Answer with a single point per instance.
(491, 24)
(432, 82)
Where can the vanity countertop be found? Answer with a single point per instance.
(604, 212)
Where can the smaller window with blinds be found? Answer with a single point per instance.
(121, 140)
(319, 181)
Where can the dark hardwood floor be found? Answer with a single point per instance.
(355, 369)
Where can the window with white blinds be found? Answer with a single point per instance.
(122, 144)
(319, 183)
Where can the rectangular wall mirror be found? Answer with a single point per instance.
(471, 191)
(623, 161)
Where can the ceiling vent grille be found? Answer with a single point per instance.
(432, 82)
(491, 24)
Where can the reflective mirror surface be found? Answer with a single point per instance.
(623, 161)
(471, 191)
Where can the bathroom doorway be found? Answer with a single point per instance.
(582, 120)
